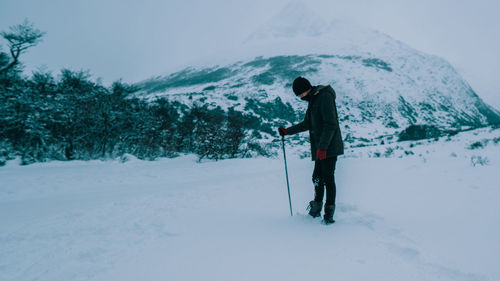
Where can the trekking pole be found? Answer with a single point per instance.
(286, 173)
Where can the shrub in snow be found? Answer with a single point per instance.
(418, 132)
(388, 152)
(409, 152)
(478, 144)
(479, 160)
(75, 118)
(6, 153)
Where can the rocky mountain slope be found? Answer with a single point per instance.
(383, 86)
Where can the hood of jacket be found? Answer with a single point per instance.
(316, 90)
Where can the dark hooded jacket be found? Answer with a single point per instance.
(321, 120)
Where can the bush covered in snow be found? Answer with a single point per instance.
(479, 160)
(418, 132)
(73, 117)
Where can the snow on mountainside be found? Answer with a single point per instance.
(382, 85)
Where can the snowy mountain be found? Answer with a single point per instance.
(383, 86)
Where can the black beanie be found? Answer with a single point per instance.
(300, 85)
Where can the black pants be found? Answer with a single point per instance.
(323, 176)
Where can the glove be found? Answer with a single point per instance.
(282, 131)
(321, 154)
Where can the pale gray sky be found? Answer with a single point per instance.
(135, 40)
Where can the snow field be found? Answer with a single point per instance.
(412, 218)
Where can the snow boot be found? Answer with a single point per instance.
(328, 217)
(315, 208)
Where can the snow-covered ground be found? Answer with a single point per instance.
(432, 215)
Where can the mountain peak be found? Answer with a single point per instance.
(298, 29)
(296, 19)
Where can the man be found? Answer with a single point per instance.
(321, 120)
